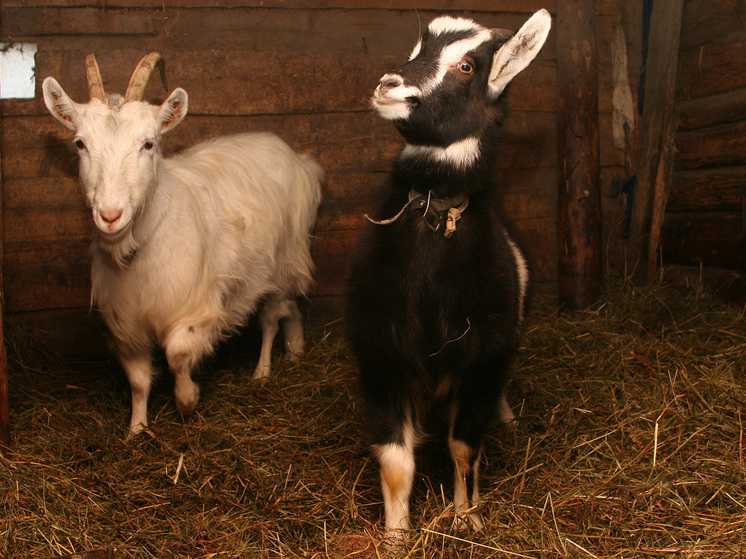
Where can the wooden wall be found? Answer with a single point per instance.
(705, 220)
(302, 69)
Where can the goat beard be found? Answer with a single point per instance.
(121, 248)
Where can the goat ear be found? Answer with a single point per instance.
(173, 109)
(518, 51)
(59, 104)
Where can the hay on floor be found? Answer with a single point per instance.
(630, 444)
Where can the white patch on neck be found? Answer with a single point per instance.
(460, 154)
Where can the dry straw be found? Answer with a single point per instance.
(630, 445)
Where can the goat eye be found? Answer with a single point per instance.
(80, 144)
(465, 67)
(148, 145)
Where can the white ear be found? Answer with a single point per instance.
(518, 52)
(59, 104)
(173, 109)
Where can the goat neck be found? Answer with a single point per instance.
(462, 169)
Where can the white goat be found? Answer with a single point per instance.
(186, 248)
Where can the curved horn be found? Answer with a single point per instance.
(141, 76)
(95, 84)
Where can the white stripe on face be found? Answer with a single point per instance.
(452, 55)
(393, 102)
(448, 24)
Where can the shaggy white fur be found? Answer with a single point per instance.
(187, 248)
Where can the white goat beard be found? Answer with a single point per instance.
(120, 249)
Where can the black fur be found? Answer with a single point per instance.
(424, 311)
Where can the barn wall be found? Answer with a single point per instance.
(280, 65)
(705, 213)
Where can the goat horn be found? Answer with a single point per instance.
(95, 84)
(141, 76)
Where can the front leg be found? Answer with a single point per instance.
(396, 459)
(185, 346)
(139, 370)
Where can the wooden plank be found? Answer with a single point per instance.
(367, 31)
(529, 192)
(48, 276)
(63, 193)
(713, 68)
(579, 217)
(249, 82)
(711, 238)
(542, 242)
(4, 407)
(75, 21)
(720, 145)
(352, 142)
(704, 21)
(527, 6)
(711, 110)
(657, 129)
(529, 140)
(357, 142)
(707, 189)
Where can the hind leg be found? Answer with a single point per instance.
(506, 414)
(464, 442)
(273, 311)
(472, 409)
(292, 328)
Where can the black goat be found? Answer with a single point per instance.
(437, 291)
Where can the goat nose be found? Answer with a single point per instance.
(110, 216)
(390, 81)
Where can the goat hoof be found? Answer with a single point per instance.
(294, 356)
(468, 521)
(187, 403)
(295, 349)
(135, 430)
(261, 373)
(393, 542)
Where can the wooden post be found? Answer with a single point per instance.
(4, 408)
(657, 131)
(579, 219)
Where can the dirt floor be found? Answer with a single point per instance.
(630, 444)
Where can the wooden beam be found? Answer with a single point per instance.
(4, 407)
(657, 135)
(579, 217)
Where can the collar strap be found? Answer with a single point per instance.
(437, 211)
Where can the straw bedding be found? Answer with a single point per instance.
(630, 444)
